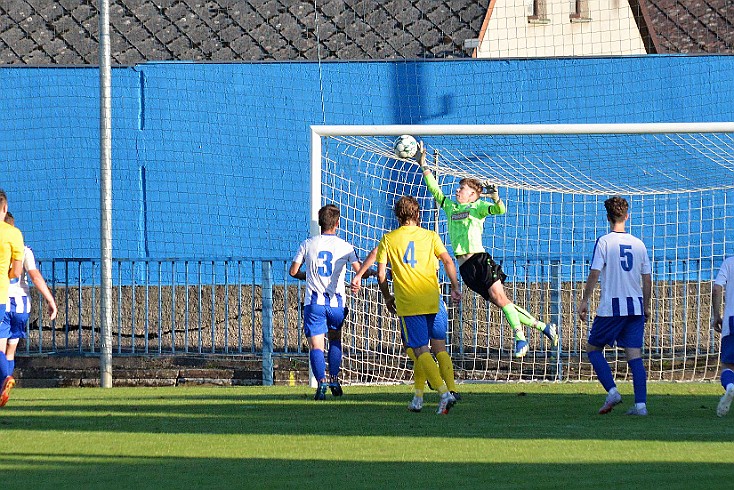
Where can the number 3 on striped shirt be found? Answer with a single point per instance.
(409, 256)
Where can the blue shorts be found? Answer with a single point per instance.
(14, 322)
(439, 328)
(625, 331)
(414, 329)
(319, 319)
(5, 324)
(727, 349)
(441, 323)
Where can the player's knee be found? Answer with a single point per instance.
(420, 350)
(591, 348)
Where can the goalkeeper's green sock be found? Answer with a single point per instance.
(528, 319)
(513, 318)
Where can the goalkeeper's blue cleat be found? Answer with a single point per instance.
(551, 331)
(612, 401)
(321, 392)
(445, 403)
(416, 404)
(725, 402)
(637, 411)
(336, 388)
(521, 348)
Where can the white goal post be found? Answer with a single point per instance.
(678, 178)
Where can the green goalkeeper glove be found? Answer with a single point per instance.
(490, 191)
(420, 155)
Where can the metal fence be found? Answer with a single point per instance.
(170, 306)
(237, 306)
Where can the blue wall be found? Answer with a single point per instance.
(211, 160)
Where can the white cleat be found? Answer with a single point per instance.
(612, 401)
(551, 331)
(725, 402)
(416, 404)
(637, 411)
(444, 405)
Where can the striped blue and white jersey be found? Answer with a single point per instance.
(18, 288)
(622, 260)
(726, 274)
(325, 258)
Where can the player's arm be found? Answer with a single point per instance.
(583, 306)
(16, 269)
(428, 178)
(40, 284)
(16, 262)
(717, 293)
(296, 271)
(363, 270)
(450, 269)
(491, 192)
(646, 294)
(385, 288)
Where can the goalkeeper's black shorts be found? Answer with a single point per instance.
(480, 271)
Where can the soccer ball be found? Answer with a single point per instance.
(405, 146)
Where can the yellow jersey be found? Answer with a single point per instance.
(11, 248)
(411, 252)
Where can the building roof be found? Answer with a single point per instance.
(43, 32)
(690, 26)
(65, 32)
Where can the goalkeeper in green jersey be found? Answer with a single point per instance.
(478, 270)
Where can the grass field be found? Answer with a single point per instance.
(499, 436)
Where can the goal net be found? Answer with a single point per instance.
(678, 178)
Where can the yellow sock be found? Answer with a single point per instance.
(446, 367)
(429, 366)
(419, 375)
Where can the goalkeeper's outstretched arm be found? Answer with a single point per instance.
(428, 178)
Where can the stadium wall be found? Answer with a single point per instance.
(191, 140)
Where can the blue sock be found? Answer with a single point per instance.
(3, 367)
(639, 379)
(318, 364)
(335, 358)
(11, 367)
(602, 369)
(727, 377)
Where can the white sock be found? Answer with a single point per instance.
(613, 390)
(640, 406)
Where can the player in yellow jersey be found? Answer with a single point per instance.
(411, 252)
(11, 267)
(437, 341)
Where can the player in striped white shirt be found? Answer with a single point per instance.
(725, 326)
(620, 262)
(18, 308)
(326, 257)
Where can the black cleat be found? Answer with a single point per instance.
(336, 389)
(320, 392)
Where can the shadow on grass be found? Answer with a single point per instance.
(45, 471)
(379, 413)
